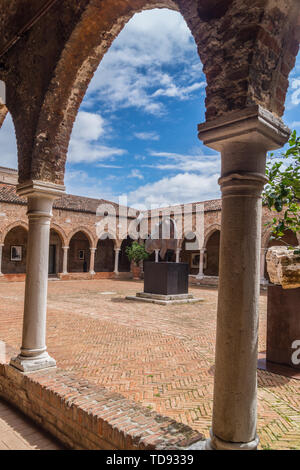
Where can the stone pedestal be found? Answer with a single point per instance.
(166, 278)
(283, 326)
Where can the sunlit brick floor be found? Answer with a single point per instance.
(160, 356)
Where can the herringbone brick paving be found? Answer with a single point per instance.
(160, 356)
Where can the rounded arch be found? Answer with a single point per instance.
(86, 232)
(61, 233)
(8, 228)
(209, 231)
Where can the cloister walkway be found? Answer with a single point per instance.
(18, 433)
(162, 357)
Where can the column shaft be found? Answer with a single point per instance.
(33, 353)
(116, 269)
(65, 259)
(178, 255)
(156, 256)
(201, 263)
(92, 261)
(1, 250)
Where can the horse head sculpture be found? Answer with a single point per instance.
(163, 238)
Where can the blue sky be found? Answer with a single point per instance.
(136, 131)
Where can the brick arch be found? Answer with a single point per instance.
(8, 228)
(3, 113)
(91, 238)
(209, 231)
(112, 237)
(247, 51)
(61, 233)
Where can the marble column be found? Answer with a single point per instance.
(92, 261)
(65, 259)
(243, 138)
(33, 355)
(156, 256)
(1, 249)
(117, 253)
(178, 255)
(200, 274)
(263, 253)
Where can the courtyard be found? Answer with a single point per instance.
(161, 357)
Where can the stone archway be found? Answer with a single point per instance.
(124, 263)
(14, 252)
(79, 253)
(211, 263)
(105, 255)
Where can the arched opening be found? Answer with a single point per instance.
(105, 255)
(289, 239)
(8, 143)
(124, 263)
(211, 257)
(55, 253)
(79, 253)
(15, 251)
(190, 253)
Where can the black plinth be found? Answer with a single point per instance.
(166, 278)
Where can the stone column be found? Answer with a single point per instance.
(156, 256)
(116, 269)
(33, 355)
(65, 259)
(200, 274)
(92, 261)
(243, 137)
(263, 253)
(1, 249)
(178, 255)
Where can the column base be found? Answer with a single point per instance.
(30, 364)
(215, 443)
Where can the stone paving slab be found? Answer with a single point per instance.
(162, 357)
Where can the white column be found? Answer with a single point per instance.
(156, 256)
(65, 259)
(116, 269)
(200, 274)
(33, 355)
(178, 255)
(1, 249)
(263, 253)
(92, 261)
(243, 138)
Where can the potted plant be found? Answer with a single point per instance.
(136, 253)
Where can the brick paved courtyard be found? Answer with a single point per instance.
(160, 356)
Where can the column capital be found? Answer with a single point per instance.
(253, 125)
(93, 249)
(65, 247)
(117, 249)
(40, 188)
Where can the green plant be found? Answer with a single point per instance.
(136, 253)
(282, 192)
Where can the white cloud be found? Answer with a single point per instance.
(79, 183)
(135, 173)
(207, 164)
(84, 143)
(147, 135)
(295, 97)
(179, 189)
(8, 144)
(133, 73)
(294, 124)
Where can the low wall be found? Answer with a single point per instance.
(85, 276)
(86, 416)
(13, 277)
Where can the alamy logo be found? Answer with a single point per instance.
(296, 354)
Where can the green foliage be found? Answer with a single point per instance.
(136, 253)
(282, 192)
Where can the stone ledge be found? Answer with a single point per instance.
(85, 416)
